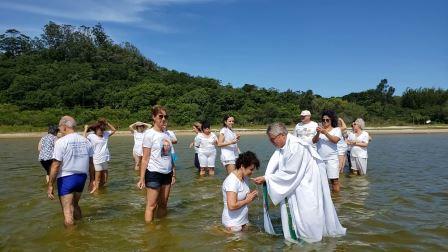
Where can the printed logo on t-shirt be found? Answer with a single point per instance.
(165, 148)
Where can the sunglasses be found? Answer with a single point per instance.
(326, 120)
(162, 116)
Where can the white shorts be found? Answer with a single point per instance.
(359, 164)
(342, 151)
(207, 159)
(227, 162)
(332, 168)
(101, 167)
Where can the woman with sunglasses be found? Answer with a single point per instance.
(157, 171)
(327, 137)
(228, 140)
(358, 141)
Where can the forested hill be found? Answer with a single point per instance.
(82, 72)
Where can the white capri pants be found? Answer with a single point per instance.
(207, 159)
(332, 168)
(359, 164)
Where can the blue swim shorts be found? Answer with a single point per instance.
(71, 183)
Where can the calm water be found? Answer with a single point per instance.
(401, 205)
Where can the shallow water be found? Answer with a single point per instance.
(402, 204)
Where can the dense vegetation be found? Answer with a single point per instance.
(82, 72)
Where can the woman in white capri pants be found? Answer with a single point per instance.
(358, 141)
(206, 142)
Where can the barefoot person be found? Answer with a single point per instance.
(138, 130)
(72, 162)
(228, 140)
(157, 171)
(327, 138)
(46, 147)
(296, 179)
(236, 193)
(101, 156)
(206, 142)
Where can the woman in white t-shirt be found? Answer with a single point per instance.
(206, 143)
(157, 171)
(358, 141)
(236, 193)
(327, 137)
(228, 140)
(138, 130)
(99, 138)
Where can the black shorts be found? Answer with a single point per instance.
(46, 164)
(155, 180)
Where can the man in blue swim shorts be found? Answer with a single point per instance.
(72, 162)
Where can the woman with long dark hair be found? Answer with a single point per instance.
(327, 136)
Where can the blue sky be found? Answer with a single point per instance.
(331, 47)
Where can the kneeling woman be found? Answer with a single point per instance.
(236, 193)
(157, 171)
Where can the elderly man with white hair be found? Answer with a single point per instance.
(72, 162)
(296, 179)
(358, 141)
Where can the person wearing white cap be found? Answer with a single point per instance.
(138, 130)
(306, 129)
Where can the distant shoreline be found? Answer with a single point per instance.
(242, 131)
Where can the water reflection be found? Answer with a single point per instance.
(400, 205)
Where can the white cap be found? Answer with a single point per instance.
(305, 113)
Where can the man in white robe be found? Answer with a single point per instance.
(296, 179)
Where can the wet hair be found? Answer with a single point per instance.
(246, 159)
(53, 129)
(156, 109)
(198, 126)
(224, 120)
(333, 117)
(205, 125)
(277, 128)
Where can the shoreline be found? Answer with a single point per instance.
(372, 131)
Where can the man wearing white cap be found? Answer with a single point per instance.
(306, 129)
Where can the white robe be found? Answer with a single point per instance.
(296, 173)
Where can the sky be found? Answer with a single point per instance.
(331, 47)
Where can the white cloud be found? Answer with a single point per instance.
(138, 13)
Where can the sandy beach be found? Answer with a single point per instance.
(243, 131)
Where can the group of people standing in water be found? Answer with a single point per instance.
(322, 146)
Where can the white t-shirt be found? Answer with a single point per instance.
(205, 143)
(238, 217)
(327, 149)
(229, 152)
(99, 144)
(358, 151)
(138, 140)
(306, 132)
(161, 157)
(74, 151)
